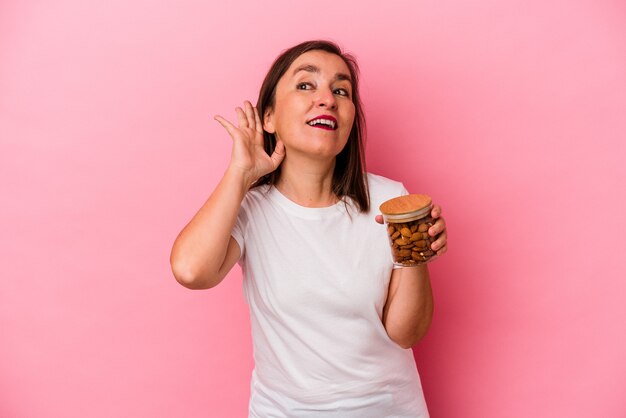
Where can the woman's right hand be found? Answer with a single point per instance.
(248, 154)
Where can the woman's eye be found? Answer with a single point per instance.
(304, 86)
(342, 92)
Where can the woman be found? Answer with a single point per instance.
(332, 321)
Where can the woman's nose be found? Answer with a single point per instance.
(326, 98)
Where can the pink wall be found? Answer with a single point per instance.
(511, 114)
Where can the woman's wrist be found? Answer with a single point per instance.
(241, 177)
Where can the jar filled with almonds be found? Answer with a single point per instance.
(408, 220)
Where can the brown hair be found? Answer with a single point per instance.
(349, 178)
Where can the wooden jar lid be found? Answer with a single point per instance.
(405, 204)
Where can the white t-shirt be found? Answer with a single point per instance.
(316, 282)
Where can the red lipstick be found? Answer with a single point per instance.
(326, 122)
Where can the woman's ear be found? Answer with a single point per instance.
(268, 122)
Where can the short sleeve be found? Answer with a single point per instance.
(239, 229)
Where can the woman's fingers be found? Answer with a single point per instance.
(279, 154)
(437, 228)
(436, 212)
(247, 117)
(257, 121)
(230, 128)
(249, 114)
(441, 243)
(379, 219)
(241, 116)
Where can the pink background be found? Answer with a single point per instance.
(511, 114)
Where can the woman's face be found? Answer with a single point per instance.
(313, 111)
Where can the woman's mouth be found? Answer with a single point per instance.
(323, 122)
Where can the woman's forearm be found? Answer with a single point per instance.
(199, 252)
(409, 308)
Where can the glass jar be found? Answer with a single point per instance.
(408, 220)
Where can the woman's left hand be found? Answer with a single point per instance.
(440, 245)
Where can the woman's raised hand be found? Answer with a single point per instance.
(248, 154)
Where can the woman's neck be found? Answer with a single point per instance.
(307, 183)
